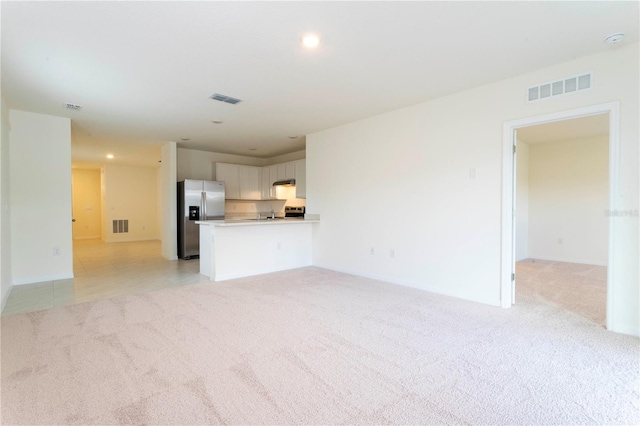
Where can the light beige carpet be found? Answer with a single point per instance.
(579, 288)
(312, 346)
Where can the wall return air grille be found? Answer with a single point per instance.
(564, 86)
(121, 226)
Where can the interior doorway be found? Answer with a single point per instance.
(86, 204)
(561, 231)
(557, 245)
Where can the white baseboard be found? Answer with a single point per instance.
(252, 274)
(567, 260)
(42, 278)
(111, 240)
(97, 237)
(412, 284)
(625, 329)
(5, 297)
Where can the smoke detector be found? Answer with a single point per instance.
(614, 38)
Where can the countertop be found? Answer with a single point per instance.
(254, 222)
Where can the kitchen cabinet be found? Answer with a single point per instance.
(301, 178)
(286, 170)
(240, 182)
(269, 175)
(290, 170)
(256, 183)
(230, 175)
(250, 180)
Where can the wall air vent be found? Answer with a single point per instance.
(121, 226)
(224, 98)
(73, 107)
(564, 86)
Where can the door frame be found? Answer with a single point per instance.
(508, 186)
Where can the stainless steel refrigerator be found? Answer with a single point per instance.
(197, 200)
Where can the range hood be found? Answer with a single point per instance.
(285, 182)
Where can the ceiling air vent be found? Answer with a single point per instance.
(73, 107)
(224, 98)
(564, 86)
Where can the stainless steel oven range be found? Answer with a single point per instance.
(293, 211)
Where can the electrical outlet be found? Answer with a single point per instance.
(279, 246)
(392, 253)
(372, 251)
(559, 240)
(56, 251)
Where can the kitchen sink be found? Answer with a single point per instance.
(263, 218)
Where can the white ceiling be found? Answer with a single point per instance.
(144, 71)
(577, 128)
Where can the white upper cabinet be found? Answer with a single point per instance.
(286, 170)
(240, 182)
(290, 170)
(229, 174)
(250, 179)
(269, 175)
(256, 183)
(301, 178)
(266, 184)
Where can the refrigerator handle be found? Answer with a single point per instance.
(204, 205)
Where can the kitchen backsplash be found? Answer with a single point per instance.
(240, 208)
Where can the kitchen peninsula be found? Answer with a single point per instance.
(240, 248)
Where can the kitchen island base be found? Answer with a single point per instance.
(235, 249)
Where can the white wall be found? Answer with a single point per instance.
(169, 203)
(284, 158)
(401, 181)
(40, 174)
(522, 201)
(5, 213)
(569, 195)
(130, 193)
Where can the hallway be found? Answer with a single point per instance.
(104, 270)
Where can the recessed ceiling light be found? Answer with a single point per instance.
(73, 107)
(253, 149)
(184, 139)
(310, 41)
(294, 137)
(217, 121)
(614, 38)
(109, 156)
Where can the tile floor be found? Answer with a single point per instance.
(106, 270)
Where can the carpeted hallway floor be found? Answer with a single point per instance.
(579, 288)
(312, 346)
